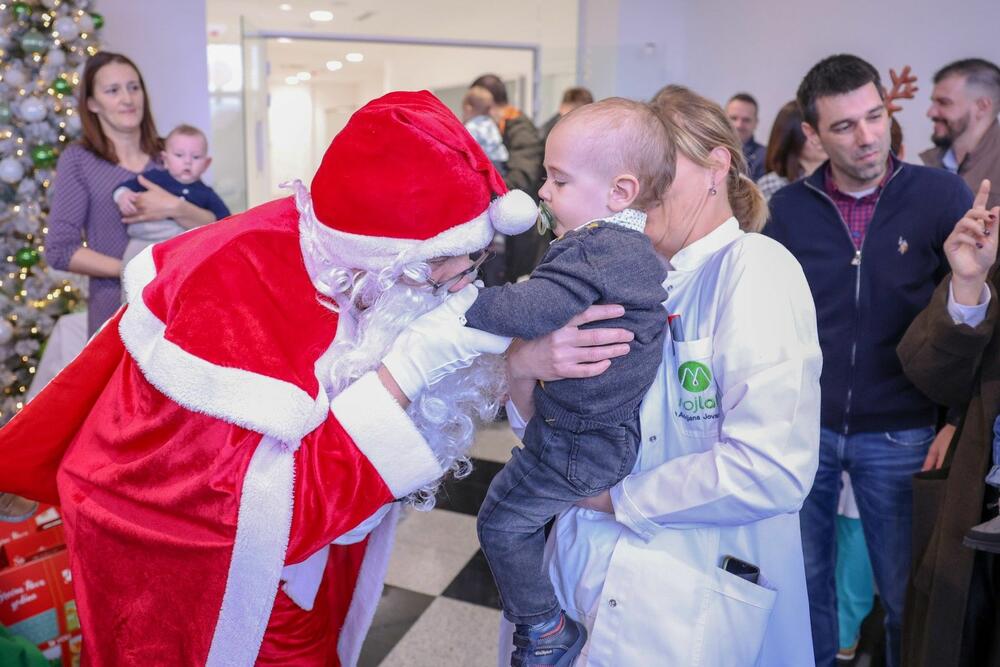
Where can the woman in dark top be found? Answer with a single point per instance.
(790, 156)
(86, 231)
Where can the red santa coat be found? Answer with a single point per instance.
(194, 453)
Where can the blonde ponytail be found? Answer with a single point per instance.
(697, 126)
(748, 203)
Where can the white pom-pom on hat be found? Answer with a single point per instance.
(513, 213)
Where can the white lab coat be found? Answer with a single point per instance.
(726, 461)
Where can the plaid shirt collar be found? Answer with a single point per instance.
(838, 195)
(857, 212)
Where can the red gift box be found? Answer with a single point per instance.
(37, 603)
(32, 547)
(46, 517)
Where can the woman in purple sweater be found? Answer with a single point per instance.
(86, 231)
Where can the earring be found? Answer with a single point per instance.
(712, 191)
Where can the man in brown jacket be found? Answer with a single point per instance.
(951, 352)
(964, 107)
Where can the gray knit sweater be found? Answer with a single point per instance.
(600, 263)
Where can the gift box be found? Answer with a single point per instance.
(34, 546)
(46, 517)
(37, 603)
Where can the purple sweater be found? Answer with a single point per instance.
(82, 209)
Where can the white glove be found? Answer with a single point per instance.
(438, 343)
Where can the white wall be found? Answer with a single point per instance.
(719, 47)
(290, 129)
(167, 40)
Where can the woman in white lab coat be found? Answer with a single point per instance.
(730, 434)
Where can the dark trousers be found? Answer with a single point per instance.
(981, 639)
(556, 468)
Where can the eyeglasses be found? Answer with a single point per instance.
(478, 259)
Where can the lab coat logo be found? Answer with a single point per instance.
(697, 403)
(694, 377)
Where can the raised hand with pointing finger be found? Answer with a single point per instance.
(972, 248)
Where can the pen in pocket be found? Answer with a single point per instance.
(676, 329)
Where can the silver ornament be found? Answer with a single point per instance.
(56, 57)
(15, 76)
(67, 28)
(73, 124)
(11, 170)
(33, 110)
(27, 189)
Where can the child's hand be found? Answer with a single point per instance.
(126, 203)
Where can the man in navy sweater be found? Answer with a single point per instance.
(868, 230)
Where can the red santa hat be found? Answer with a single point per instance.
(405, 182)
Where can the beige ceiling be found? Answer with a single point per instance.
(549, 22)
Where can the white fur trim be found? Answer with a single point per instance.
(513, 213)
(256, 402)
(386, 436)
(262, 530)
(325, 248)
(138, 273)
(368, 589)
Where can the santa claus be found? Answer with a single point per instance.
(229, 449)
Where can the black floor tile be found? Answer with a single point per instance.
(872, 641)
(466, 495)
(474, 584)
(397, 611)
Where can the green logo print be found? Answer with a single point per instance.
(694, 377)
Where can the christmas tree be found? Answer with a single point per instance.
(43, 47)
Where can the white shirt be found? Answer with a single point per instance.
(971, 315)
(730, 447)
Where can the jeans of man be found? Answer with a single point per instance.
(881, 466)
(555, 469)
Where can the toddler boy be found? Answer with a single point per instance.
(606, 164)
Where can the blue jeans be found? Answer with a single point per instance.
(556, 468)
(881, 466)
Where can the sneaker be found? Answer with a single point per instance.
(555, 644)
(848, 653)
(985, 536)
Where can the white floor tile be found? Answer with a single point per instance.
(450, 633)
(494, 442)
(431, 549)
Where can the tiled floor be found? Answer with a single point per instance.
(440, 607)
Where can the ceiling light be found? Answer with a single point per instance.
(291, 80)
(303, 76)
(354, 57)
(321, 15)
(334, 65)
(285, 7)
(284, 40)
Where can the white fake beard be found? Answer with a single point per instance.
(448, 412)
